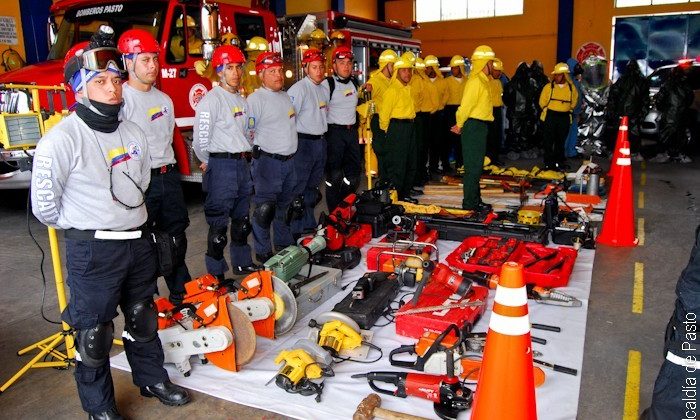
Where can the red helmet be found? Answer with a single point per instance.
(267, 60)
(226, 54)
(136, 41)
(343, 52)
(71, 64)
(312, 54)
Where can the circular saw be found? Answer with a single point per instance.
(285, 306)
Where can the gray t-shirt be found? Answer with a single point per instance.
(71, 176)
(272, 121)
(154, 113)
(220, 125)
(311, 105)
(342, 106)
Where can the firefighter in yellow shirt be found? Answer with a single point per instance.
(428, 108)
(418, 95)
(455, 88)
(377, 84)
(472, 119)
(438, 149)
(557, 100)
(396, 119)
(255, 47)
(493, 142)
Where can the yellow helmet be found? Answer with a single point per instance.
(483, 52)
(431, 61)
(257, 43)
(456, 61)
(318, 35)
(404, 62)
(190, 22)
(561, 68)
(498, 64)
(230, 39)
(410, 56)
(337, 36)
(420, 64)
(387, 56)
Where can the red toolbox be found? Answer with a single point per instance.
(436, 294)
(544, 267)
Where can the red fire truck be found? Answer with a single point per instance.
(177, 25)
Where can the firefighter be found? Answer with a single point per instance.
(153, 111)
(472, 119)
(272, 122)
(310, 99)
(337, 40)
(89, 177)
(220, 142)
(317, 39)
(557, 100)
(344, 159)
(420, 104)
(256, 46)
(177, 43)
(436, 123)
(427, 108)
(493, 142)
(377, 84)
(396, 119)
(455, 88)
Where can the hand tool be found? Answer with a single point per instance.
(369, 409)
(549, 296)
(305, 366)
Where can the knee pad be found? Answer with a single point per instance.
(216, 242)
(94, 344)
(295, 210)
(240, 229)
(264, 213)
(141, 320)
(179, 249)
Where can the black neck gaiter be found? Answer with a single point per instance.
(106, 123)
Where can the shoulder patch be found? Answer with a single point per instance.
(251, 123)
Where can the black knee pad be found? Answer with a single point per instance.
(240, 229)
(141, 320)
(264, 213)
(179, 249)
(216, 242)
(295, 210)
(94, 344)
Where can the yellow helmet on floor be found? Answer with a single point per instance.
(257, 43)
(561, 68)
(498, 64)
(456, 61)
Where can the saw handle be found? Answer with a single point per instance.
(395, 378)
(408, 348)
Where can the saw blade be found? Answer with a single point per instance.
(243, 335)
(285, 307)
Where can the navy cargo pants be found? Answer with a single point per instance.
(343, 164)
(310, 164)
(104, 274)
(229, 189)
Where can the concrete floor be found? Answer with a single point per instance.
(670, 213)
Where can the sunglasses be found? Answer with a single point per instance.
(114, 196)
(99, 59)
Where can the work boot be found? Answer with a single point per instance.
(660, 158)
(111, 414)
(167, 392)
(263, 258)
(240, 270)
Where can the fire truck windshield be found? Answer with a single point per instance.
(79, 23)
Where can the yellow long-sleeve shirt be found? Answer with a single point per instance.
(561, 98)
(380, 83)
(417, 93)
(396, 103)
(496, 92)
(443, 93)
(431, 97)
(455, 89)
(476, 101)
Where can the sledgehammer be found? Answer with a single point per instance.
(369, 409)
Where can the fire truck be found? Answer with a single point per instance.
(187, 32)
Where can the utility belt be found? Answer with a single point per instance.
(105, 235)
(311, 136)
(227, 155)
(401, 120)
(342, 126)
(257, 152)
(161, 170)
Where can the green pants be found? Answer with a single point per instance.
(420, 154)
(474, 133)
(400, 155)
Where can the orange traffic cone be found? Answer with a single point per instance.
(618, 222)
(621, 135)
(506, 386)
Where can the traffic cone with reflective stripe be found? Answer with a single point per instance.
(622, 134)
(506, 386)
(618, 221)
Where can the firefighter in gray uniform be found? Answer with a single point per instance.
(221, 143)
(310, 99)
(343, 164)
(272, 125)
(152, 110)
(89, 176)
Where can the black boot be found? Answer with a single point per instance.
(263, 258)
(167, 392)
(111, 414)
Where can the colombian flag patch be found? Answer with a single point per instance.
(156, 112)
(118, 155)
(322, 105)
(291, 112)
(236, 111)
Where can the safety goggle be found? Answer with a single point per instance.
(98, 59)
(342, 56)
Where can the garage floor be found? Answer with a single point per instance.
(670, 214)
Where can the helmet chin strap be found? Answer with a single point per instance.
(85, 99)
